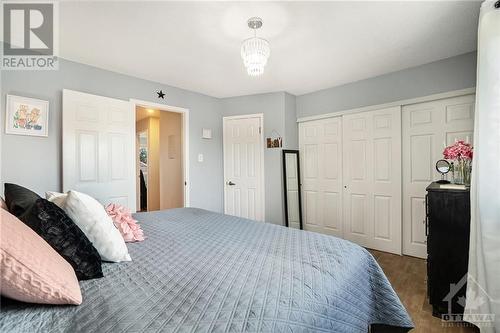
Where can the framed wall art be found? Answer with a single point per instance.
(26, 116)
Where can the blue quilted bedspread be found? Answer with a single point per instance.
(199, 271)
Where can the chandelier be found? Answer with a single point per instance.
(255, 50)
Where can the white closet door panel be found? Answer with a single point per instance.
(386, 152)
(421, 137)
(427, 127)
(331, 165)
(363, 152)
(372, 179)
(321, 167)
(310, 159)
(459, 119)
(358, 201)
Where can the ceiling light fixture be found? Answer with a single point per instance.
(255, 51)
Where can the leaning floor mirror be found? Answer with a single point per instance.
(291, 184)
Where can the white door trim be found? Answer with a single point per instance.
(185, 140)
(262, 182)
(454, 93)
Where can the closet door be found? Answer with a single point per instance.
(427, 127)
(321, 167)
(358, 178)
(372, 179)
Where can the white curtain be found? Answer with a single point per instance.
(483, 284)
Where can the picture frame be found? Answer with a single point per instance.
(26, 116)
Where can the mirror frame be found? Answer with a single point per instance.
(449, 167)
(443, 175)
(296, 152)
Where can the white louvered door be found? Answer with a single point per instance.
(427, 127)
(321, 168)
(98, 147)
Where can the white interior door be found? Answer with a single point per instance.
(243, 167)
(427, 127)
(372, 179)
(98, 147)
(321, 168)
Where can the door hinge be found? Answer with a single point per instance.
(260, 130)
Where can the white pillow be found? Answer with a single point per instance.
(91, 217)
(56, 197)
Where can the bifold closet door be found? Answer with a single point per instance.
(321, 168)
(372, 179)
(427, 127)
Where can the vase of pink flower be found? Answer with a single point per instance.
(460, 152)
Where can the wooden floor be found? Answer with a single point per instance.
(408, 278)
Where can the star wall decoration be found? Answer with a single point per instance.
(161, 94)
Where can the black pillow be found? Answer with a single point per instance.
(18, 199)
(56, 228)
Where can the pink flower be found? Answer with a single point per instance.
(458, 151)
(123, 221)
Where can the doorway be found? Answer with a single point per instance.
(243, 142)
(161, 176)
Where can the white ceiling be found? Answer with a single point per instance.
(314, 45)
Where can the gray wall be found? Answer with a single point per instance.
(36, 162)
(280, 116)
(441, 76)
(291, 126)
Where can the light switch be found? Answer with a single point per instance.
(200, 157)
(207, 133)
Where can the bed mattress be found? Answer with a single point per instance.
(200, 271)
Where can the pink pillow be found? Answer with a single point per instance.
(31, 270)
(128, 227)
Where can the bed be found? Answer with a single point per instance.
(200, 271)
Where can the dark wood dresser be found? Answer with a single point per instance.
(447, 229)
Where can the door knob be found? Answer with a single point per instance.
(230, 183)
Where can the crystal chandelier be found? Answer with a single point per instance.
(255, 50)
